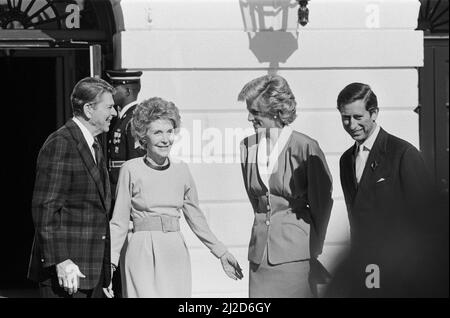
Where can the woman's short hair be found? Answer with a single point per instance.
(358, 91)
(272, 95)
(150, 110)
(87, 91)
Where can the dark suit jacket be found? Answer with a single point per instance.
(392, 190)
(70, 208)
(392, 221)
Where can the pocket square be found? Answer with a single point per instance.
(381, 180)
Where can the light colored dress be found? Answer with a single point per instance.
(157, 262)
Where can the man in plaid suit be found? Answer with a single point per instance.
(71, 201)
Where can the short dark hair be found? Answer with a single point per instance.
(271, 94)
(358, 91)
(86, 91)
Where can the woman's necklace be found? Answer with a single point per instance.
(155, 166)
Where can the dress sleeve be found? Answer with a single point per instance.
(119, 223)
(196, 219)
(319, 197)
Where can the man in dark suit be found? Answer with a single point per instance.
(71, 201)
(121, 144)
(387, 190)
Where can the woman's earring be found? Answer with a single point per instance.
(275, 117)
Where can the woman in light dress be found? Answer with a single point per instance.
(152, 191)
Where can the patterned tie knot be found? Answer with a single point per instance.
(96, 144)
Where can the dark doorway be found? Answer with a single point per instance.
(434, 123)
(31, 109)
(433, 20)
(35, 99)
(43, 53)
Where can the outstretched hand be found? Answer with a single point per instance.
(231, 266)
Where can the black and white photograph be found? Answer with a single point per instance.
(224, 153)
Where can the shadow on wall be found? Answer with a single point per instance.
(272, 33)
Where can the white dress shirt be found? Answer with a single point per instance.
(363, 151)
(87, 136)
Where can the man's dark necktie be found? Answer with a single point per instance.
(102, 169)
(99, 160)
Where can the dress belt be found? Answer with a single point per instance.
(162, 223)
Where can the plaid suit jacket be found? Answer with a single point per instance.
(70, 209)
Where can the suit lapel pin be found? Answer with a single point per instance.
(374, 165)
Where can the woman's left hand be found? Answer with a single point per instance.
(231, 266)
(109, 292)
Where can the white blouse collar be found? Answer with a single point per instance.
(267, 164)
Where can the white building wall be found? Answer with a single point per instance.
(199, 54)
